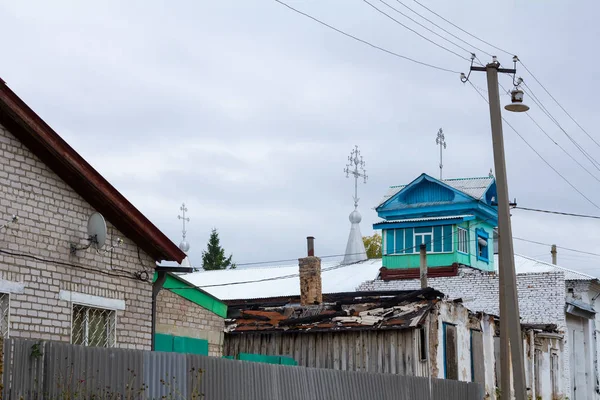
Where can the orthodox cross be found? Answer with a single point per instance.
(356, 168)
(441, 141)
(183, 218)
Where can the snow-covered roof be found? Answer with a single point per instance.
(282, 280)
(474, 187)
(524, 264)
(335, 277)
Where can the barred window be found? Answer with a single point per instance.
(93, 326)
(4, 314)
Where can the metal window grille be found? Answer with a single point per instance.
(94, 327)
(4, 314)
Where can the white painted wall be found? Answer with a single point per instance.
(458, 315)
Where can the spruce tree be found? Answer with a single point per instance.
(214, 256)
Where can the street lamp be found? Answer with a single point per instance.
(516, 105)
(511, 346)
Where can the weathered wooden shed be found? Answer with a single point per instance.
(404, 332)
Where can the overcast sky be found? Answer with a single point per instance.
(247, 111)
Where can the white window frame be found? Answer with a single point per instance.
(86, 339)
(91, 301)
(423, 234)
(462, 241)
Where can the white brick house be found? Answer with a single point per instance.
(93, 298)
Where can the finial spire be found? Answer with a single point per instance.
(355, 249)
(356, 168)
(184, 245)
(440, 140)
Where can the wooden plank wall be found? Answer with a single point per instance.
(374, 351)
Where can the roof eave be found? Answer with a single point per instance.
(61, 158)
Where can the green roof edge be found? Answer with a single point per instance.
(197, 296)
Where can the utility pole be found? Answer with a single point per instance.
(440, 141)
(553, 252)
(423, 266)
(510, 325)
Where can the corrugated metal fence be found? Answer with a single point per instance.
(49, 370)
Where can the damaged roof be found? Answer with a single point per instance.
(342, 312)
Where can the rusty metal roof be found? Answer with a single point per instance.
(344, 312)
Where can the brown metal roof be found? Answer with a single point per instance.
(49, 147)
(350, 311)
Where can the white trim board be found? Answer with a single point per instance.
(92, 301)
(11, 287)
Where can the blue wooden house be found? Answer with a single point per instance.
(454, 218)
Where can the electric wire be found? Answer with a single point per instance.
(415, 32)
(448, 32)
(557, 212)
(425, 27)
(538, 154)
(338, 266)
(461, 29)
(558, 247)
(366, 42)
(538, 102)
(560, 105)
(66, 264)
(541, 106)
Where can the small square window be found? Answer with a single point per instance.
(94, 327)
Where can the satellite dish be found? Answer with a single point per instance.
(96, 229)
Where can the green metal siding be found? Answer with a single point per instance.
(413, 260)
(180, 344)
(199, 297)
(282, 360)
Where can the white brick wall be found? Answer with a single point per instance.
(51, 216)
(541, 297)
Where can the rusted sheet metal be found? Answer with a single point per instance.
(413, 273)
(187, 376)
(47, 144)
(392, 311)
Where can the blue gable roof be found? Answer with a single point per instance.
(430, 197)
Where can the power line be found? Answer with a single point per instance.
(538, 154)
(539, 103)
(557, 212)
(365, 42)
(461, 29)
(439, 27)
(541, 106)
(556, 101)
(421, 25)
(415, 32)
(65, 264)
(558, 247)
(338, 266)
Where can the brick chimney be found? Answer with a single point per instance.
(310, 276)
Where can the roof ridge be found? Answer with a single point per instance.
(556, 266)
(450, 179)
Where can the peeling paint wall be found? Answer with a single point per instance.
(459, 315)
(543, 352)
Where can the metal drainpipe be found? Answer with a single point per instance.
(156, 287)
